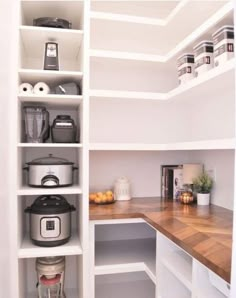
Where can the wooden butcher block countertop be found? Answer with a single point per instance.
(205, 232)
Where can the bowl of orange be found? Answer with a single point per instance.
(102, 197)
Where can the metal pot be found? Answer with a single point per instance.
(50, 172)
(50, 220)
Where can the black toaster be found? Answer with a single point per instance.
(63, 129)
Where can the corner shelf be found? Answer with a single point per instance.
(221, 17)
(126, 256)
(206, 80)
(29, 191)
(217, 144)
(29, 250)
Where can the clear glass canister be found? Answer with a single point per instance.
(122, 189)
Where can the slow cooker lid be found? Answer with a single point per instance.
(50, 160)
(50, 204)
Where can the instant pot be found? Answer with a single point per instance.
(50, 220)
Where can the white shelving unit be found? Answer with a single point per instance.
(73, 67)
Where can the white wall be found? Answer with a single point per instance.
(222, 163)
(142, 168)
(5, 30)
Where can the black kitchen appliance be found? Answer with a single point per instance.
(50, 220)
(63, 129)
(51, 60)
(52, 22)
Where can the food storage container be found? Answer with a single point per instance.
(122, 189)
(223, 40)
(185, 65)
(203, 54)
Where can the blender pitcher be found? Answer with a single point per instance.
(36, 124)
(50, 287)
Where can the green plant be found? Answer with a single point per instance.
(203, 183)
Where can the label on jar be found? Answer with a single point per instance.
(228, 47)
(203, 60)
(185, 70)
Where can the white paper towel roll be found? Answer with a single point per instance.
(41, 88)
(26, 88)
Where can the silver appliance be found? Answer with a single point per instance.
(50, 220)
(50, 171)
(51, 277)
(36, 124)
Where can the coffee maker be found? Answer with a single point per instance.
(36, 124)
(51, 277)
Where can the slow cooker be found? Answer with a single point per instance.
(50, 220)
(50, 171)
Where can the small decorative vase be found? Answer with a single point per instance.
(203, 199)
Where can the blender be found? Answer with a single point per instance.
(51, 276)
(36, 120)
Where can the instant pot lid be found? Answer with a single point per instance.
(50, 204)
(50, 160)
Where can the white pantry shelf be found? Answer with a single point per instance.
(194, 145)
(30, 191)
(49, 76)
(213, 77)
(203, 82)
(125, 55)
(30, 250)
(53, 99)
(180, 265)
(207, 20)
(126, 94)
(126, 256)
(99, 15)
(34, 39)
(49, 145)
(114, 288)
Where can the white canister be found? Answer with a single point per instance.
(203, 54)
(223, 40)
(185, 64)
(122, 189)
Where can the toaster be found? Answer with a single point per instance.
(63, 129)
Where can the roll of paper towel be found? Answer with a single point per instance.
(26, 88)
(41, 88)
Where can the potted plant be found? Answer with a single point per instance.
(202, 184)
